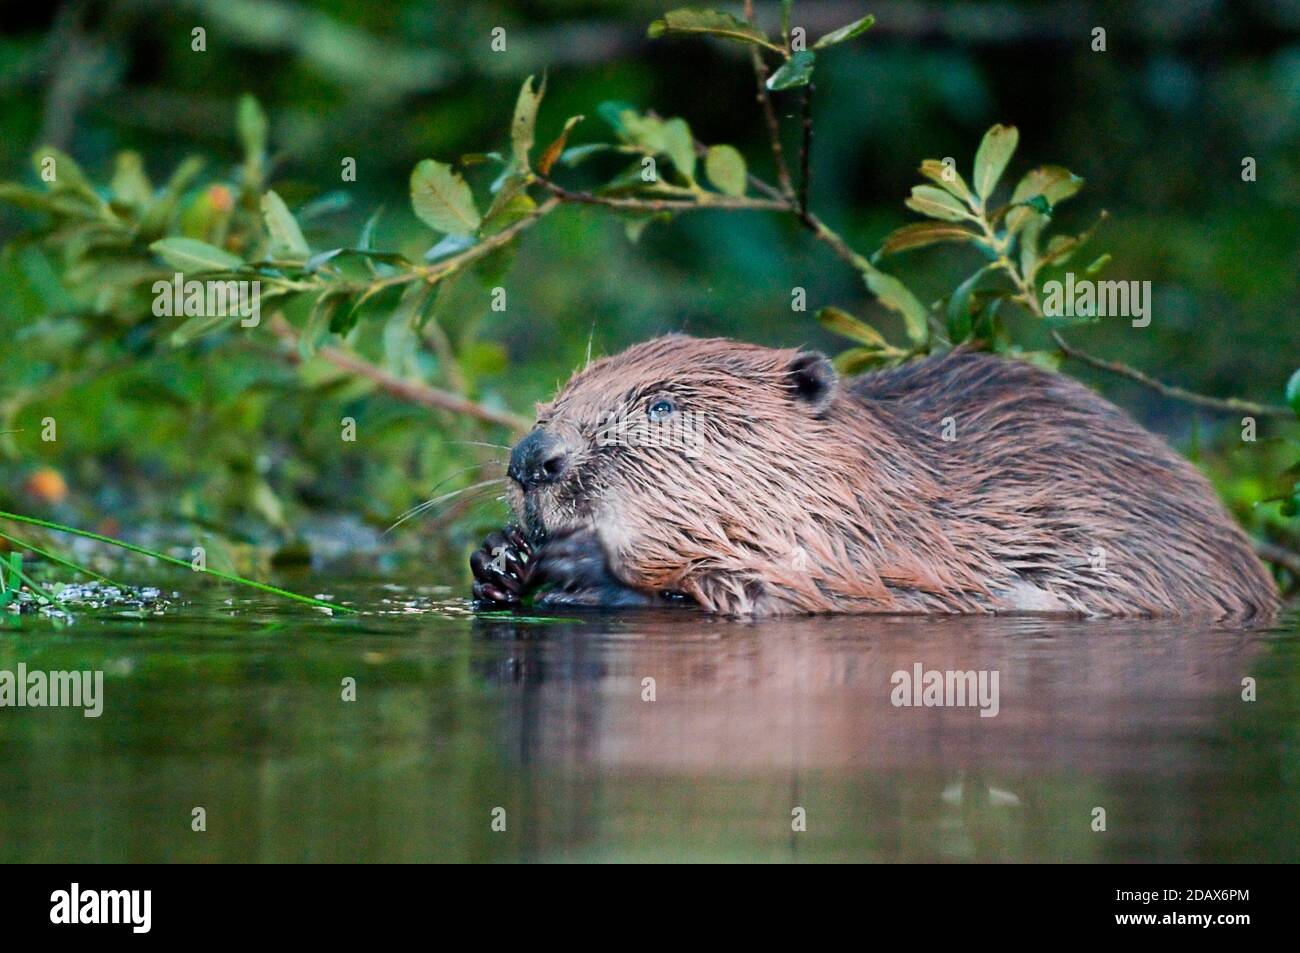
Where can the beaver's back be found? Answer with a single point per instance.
(1089, 510)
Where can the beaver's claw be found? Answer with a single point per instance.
(502, 567)
(573, 570)
(568, 569)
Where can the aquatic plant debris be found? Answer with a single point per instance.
(63, 599)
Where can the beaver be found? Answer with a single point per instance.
(752, 481)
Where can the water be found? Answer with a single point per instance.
(234, 705)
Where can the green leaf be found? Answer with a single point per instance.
(1029, 254)
(442, 200)
(339, 255)
(846, 325)
(644, 131)
(506, 190)
(893, 294)
(331, 203)
(635, 226)
(984, 316)
(1062, 247)
(858, 359)
(948, 179)
(523, 127)
(343, 320)
(1098, 263)
(1051, 183)
(130, 185)
(401, 342)
(796, 71)
(709, 23)
(324, 318)
(856, 28)
(159, 213)
(1293, 392)
(959, 310)
(936, 203)
(921, 234)
(992, 156)
(578, 154)
(68, 176)
(366, 241)
(55, 203)
(506, 212)
(193, 256)
(450, 245)
(725, 168)
(629, 180)
(252, 126)
(286, 237)
(200, 325)
(613, 112)
(679, 146)
(1048, 360)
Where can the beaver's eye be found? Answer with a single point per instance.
(660, 409)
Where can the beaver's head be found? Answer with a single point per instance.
(672, 449)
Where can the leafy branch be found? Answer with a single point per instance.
(120, 239)
(407, 390)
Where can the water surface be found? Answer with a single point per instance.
(235, 705)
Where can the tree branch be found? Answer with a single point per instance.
(769, 113)
(435, 272)
(855, 260)
(1226, 404)
(1279, 556)
(411, 391)
(706, 200)
(805, 148)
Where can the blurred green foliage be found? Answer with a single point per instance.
(213, 429)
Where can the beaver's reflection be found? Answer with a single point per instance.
(684, 693)
(750, 722)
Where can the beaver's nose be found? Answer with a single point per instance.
(538, 459)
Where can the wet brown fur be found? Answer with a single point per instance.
(798, 498)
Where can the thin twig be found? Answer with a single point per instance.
(1272, 553)
(832, 239)
(1227, 404)
(411, 391)
(769, 113)
(435, 272)
(705, 200)
(805, 149)
(1028, 296)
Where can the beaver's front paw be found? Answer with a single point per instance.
(571, 569)
(502, 567)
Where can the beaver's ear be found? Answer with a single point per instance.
(812, 379)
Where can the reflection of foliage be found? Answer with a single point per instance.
(384, 316)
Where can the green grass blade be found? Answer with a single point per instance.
(163, 557)
(16, 568)
(59, 560)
